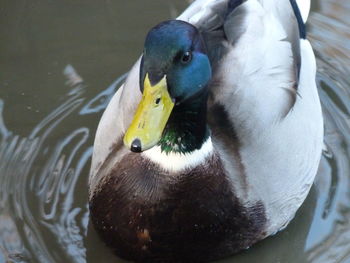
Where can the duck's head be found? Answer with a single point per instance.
(174, 69)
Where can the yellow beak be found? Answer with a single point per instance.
(150, 118)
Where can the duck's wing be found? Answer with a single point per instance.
(265, 113)
(253, 41)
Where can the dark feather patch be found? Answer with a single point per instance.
(301, 24)
(148, 215)
(232, 4)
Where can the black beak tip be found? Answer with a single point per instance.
(136, 146)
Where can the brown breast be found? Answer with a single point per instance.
(146, 214)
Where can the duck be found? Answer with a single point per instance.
(214, 139)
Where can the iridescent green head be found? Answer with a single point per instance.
(176, 49)
(175, 70)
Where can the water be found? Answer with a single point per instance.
(59, 66)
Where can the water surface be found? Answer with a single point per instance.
(60, 63)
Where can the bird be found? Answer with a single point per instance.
(214, 139)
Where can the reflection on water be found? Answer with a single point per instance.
(43, 191)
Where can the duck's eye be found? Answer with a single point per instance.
(157, 101)
(186, 57)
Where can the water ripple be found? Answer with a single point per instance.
(38, 186)
(329, 237)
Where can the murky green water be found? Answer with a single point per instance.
(59, 65)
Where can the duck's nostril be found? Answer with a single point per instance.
(136, 146)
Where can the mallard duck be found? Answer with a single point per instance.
(213, 141)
